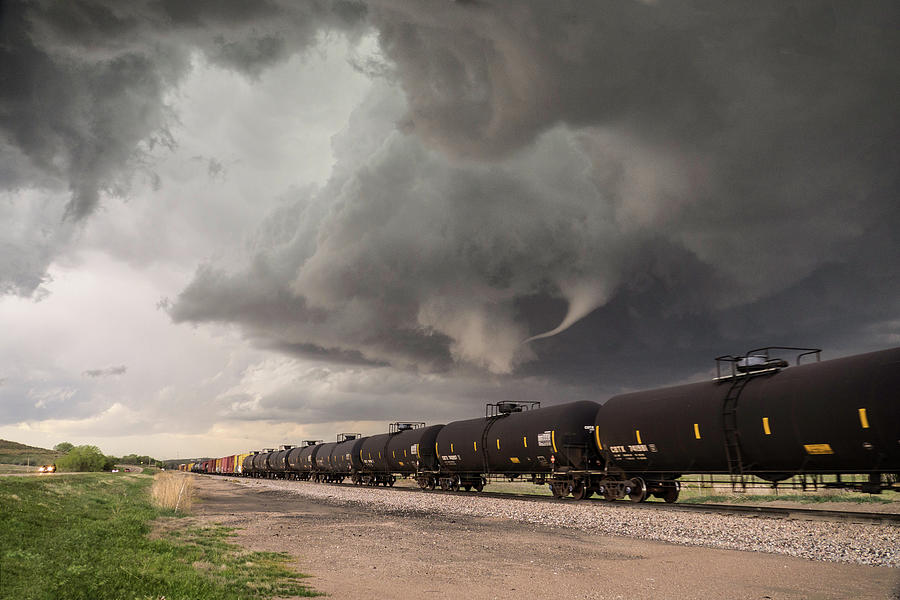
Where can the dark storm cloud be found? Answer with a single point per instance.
(82, 97)
(107, 372)
(672, 180)
(639, 182)
(323, 394)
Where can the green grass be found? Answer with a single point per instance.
(7, 469)
(808, 498)
(87, 537)
(14, 453)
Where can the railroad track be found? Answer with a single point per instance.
(809, 514)
(812, 514)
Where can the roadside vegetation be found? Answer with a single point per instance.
(14, 453)
(173, 491)
(67, 457)
(89, 537)
(85, 459)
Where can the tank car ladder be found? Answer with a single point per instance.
(493, 412)
(752, 364)
(732, 436)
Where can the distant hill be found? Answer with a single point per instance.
(14, 453)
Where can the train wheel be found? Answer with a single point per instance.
(588, 492)
(671, 493)
(578, 491)
(468, 487)
(638, 491)
(431, 483)
(479, 486)
(558, 490)
(608, 490)
(392, 481)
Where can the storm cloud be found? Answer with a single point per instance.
(83, 100)
(530, 199)
(682, 176)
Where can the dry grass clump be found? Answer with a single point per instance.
(173, 491)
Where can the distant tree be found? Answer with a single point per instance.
(63, 447)
(109, 463)
(134, 459)
(84, 458)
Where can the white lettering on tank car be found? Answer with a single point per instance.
(544, 439)
(412, 449)
(617, 449)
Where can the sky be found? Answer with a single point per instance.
(229, 225)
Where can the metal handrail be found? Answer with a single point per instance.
(506, 407)
(765, 351)
(398, 426)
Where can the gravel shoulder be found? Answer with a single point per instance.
(364, 543)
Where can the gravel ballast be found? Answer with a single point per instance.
(861, 543)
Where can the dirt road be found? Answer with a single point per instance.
(353, 554)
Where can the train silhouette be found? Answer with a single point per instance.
(772, 413)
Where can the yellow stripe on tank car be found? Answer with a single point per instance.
(637, 435)
(818, 448)
(525, 440)
(475, 446)
(553, 439)
(498, 443)
(597, 436)
(697, 430)
(766, 426)
(863, 418)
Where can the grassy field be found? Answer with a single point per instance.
(8, 469)
(14, 453)
(87, 537)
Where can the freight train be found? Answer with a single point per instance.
(762, 415)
